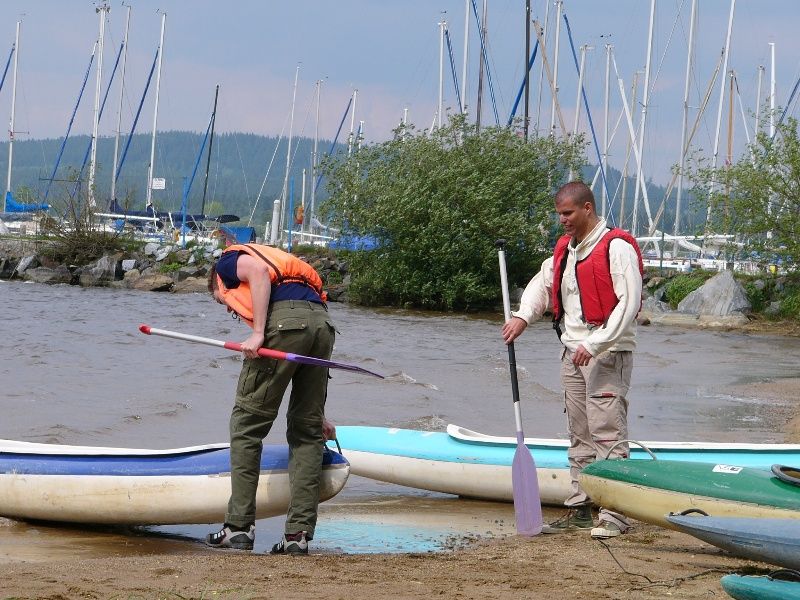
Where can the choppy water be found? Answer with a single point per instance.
(75, 370)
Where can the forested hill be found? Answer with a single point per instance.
(238, 167)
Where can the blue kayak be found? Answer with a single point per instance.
(773, 541)
(89, 484)
(750, 587)
(471, 464)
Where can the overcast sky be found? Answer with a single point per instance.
(389, 51)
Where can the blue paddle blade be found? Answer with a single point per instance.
(525, 483)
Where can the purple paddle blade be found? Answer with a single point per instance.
(525, 483)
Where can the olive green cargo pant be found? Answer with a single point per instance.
(299, 327)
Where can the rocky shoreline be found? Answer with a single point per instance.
(721, 303)
(155, 267)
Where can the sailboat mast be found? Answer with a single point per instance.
(554, 99)
(640, 183)
(119, 106)
(771, 90)
(155, 113)
(464, 70)
(605, 129)
(352, 124)
(719, 107)
(481, 67)
(314, 159)
(285, 195)
(757, 124)
(210, 146)
(527, 70)
(684, 125)
(98, 91)
(442, 26)
(13, 109)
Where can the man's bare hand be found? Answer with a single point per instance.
(513, 329)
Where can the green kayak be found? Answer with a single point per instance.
(649, 490)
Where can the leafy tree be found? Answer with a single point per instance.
(436, 202)
(758, 198)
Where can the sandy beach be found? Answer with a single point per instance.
(649, 562)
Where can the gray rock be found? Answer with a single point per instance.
(156, 282)
(720, 296)
(151, 248)
(163, 253)
(128, 264)
(60, 274)
(27, 262)
(191, 285)
(654, 305)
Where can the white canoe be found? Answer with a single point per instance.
(89, 484)
(474, 465)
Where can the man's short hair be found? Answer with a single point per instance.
(577, 191)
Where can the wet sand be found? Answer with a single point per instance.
(649, 562)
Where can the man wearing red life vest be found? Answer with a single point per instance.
(593, 285)
(280, 297)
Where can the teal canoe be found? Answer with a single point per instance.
(650, 490)
(750, 587)
(475, 465)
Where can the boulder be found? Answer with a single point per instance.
(191, 285)
(8, 266)
(101, 272)
(154, 282)
(720, 296)
(27, 262)
(60, 274)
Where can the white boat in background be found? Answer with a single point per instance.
(126, 486)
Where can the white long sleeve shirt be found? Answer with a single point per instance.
(619, 331)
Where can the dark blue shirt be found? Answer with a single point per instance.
(226, 269)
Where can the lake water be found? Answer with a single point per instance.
(76, 370)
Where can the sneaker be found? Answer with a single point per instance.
(291, 543)
(605, 530)
(576, 519)
(232, 538)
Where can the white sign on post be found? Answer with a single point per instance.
(159, 183)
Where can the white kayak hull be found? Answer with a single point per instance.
(474, 465)
(141, 487)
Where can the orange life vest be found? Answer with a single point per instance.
(593, 273)
(283, 268)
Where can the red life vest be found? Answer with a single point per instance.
(283, 268)
(593, 273)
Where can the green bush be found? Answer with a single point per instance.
(790, 305)
(682, 285)
(436, 202)
(169, 267)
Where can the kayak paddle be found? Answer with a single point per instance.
(524, 481)
(266, 352)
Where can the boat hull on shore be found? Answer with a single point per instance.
(651, 490)
(773, 541)
(81, 484)
(751, 587)
(474, 465)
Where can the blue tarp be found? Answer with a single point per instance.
(354, 242)
(14, 206)
(243, 235)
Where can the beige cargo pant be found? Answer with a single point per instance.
(597, 411)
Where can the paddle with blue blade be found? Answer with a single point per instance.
(266, 352)
(524, 481)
